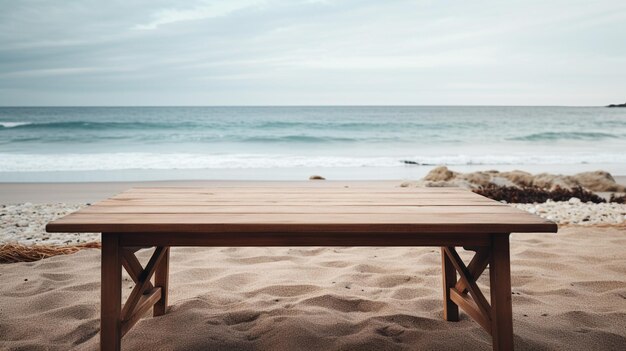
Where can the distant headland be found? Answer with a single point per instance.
(617, 105)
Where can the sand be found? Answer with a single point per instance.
(569, 293)
(569, 289)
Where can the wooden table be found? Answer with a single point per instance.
(300, 215)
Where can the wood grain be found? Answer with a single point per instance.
(300, 210)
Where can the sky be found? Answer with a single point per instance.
(266, 52)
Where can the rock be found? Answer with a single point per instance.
(574, 200)
(25, 224)
(22, 224)
(316, 177)
(520, 178)
(501, 181)
(617, 105)
(599, 181)
(578, 213)
(441, 173)
(409, 162)
(442, 184)
(476, 179)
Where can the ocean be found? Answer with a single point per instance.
(368, 142)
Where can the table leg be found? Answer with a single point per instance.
(111, 293)
(450, 309)
(161, 279)
(500, 281)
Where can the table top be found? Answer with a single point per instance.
(289, 209)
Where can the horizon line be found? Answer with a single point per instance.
(304, 105)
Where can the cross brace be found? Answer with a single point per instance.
(144, 295)
(494, 317)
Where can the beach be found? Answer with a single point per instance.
(568, 294)
(134, 128)
(569, 289)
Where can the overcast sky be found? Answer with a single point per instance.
(265, 52)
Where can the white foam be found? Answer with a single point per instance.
(14, 124)
(10, 162)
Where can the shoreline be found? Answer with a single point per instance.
(406, 172)
(89, 192)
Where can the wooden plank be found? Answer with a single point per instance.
(303, 205)
(417, 229)
(140, 209)
(144, 282)
(301, 239)
(301, 197)
(468, 280)
(299, 201)
(145, 302)
(460, 217)
(295, 202)
(469, 307)
(133, 267)
(295, 189)
(305, 193)
(469, 229)
(290, 197)
(419, 224)
(475, 267)
(298, 192)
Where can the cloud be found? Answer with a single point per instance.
(259, 52)
(63, 71)
(212, 10)
(462, 58)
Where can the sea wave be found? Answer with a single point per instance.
(89, 125)
(303, 138)
(252, 124)
(10, 162)
(348, 125)
(552, 136)
(201, 137)
(13, 124)
(208, 124)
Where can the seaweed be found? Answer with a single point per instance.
(618, 199)
(532, 194)
(12, 252)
